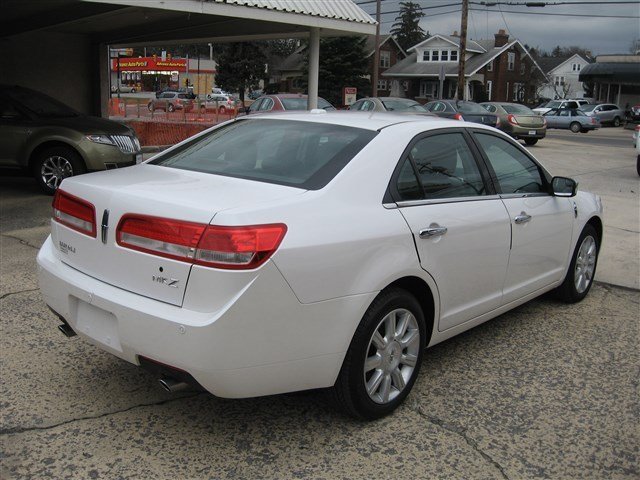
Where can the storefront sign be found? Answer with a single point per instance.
(149, 64)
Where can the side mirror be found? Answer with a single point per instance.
(564, 187)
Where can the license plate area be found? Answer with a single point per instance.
(98, 324)
(532, 132)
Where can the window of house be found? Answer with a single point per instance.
(490, 66)
(559, 80)
(405, 85)
(489, 89)
(426, 55)
(382, 84)
(511, 61)
(575, 67)
(428, 89)
(444, 55)
(454, 55)
(435, 55)
(518, 92)
(385, 59)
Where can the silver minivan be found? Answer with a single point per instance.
(606, 112)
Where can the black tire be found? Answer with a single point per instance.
(530, 141)
(567, 292)
(575, 127)
(54, 164)
(133, 90)
(349, 392)
(616, 122)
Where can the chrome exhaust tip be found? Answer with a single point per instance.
(172, 385)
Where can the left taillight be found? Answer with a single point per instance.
(512, 119)
(74, 212)
(241, 247)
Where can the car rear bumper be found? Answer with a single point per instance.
(263, 341)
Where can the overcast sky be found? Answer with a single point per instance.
(595, 31)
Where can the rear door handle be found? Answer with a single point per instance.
(522, 218)
(433, 232)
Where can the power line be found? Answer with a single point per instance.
(555, 14)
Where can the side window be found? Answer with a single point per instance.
(564, 113)
(515, 172)
(446, 167)
(255, 106)
(267, 104)
(356, 106)
(368, 106)
(490, 108)
(407, 183)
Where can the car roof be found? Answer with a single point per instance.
(366, 120)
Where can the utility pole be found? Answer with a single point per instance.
(463, 49)
(376, 54)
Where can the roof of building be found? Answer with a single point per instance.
(472, 46)
(370, 46)
(410, 67)
(627, 73)
(337, 9)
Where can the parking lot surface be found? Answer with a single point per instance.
(546, 391)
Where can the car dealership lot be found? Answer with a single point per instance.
(547, 390)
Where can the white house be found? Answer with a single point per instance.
(563, 77)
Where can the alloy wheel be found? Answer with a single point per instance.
(391, 356)
(55, 169)
(585, 264)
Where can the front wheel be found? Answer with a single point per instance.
(616, 122)
(582, 268)
(384, 357)
(530, 141)
(54, 165)
(575, 127)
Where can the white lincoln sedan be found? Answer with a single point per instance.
(286, 252)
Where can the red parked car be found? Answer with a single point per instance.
(285, 101)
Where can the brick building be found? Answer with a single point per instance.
(390, 54)
(499, 69)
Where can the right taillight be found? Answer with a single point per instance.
(241, 247)
(512, 119)
(74, 212)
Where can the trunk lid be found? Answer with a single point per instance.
(484, 119)
(529, 121)
(153, 191)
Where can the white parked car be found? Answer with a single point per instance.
(561, 105)
(294, 251)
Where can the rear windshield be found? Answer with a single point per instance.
(470, 107)
(286, 152)
(40, 104)
(403, 106)
(517, 109)
(294, 103)
(587, 108)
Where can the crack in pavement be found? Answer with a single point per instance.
(462, 432)
(18, 430)
(23, 242)
(17, 293)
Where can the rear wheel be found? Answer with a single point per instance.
(530, 141)
(575, 127)
(384, 357)
(582, 269)
(616, 122)
(54, 165)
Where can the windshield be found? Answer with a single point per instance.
(470, 107)
(553, 104)
(517, 109)
(588, 108)
(39, 104)
(298, 154)
(403, 106)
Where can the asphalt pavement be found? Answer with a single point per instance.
(546, 391)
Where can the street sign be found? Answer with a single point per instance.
(349, 95)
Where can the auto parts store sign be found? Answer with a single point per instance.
(149, 63)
